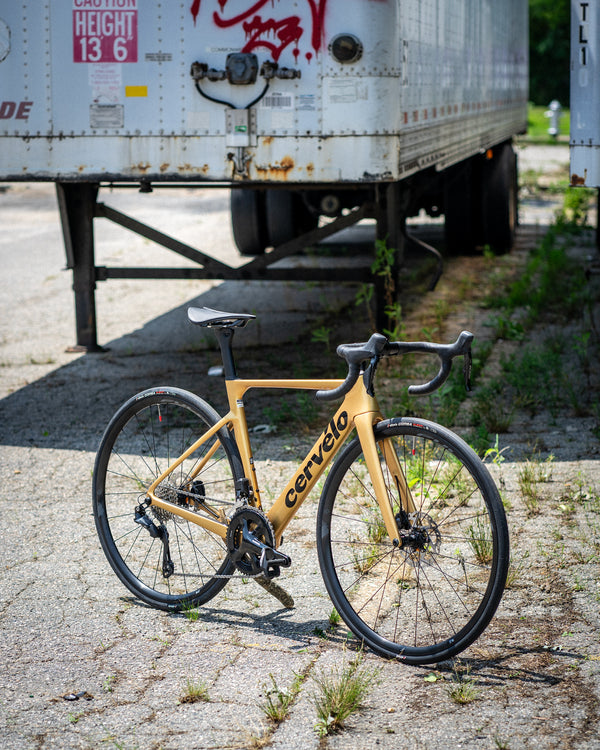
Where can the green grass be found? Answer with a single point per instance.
(278, 700)
(340, 694)
(463, 688)
(194, 692)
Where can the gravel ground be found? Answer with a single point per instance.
(69, 628)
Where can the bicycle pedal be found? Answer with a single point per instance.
(271, 560)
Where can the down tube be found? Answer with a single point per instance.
(315, 463)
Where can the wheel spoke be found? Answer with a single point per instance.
(439, 587)
(143, 440)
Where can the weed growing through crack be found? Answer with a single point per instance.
(530, 476)
(480, 540)
(340, 694)
(191, 612)
(278, 700)
(194, 692)
(515, 570)
(334, 618)
(463, 688)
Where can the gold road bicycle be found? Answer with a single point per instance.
(411, 533)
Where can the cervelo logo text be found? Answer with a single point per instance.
(330, 436)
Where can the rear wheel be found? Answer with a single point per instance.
(430, 596)
(287, 216)
(163, 559)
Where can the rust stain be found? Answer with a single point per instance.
(577, 181)
(164, 166)
(268, 140)
(187, 168)
(278, 171)
(141, 167)
(310, 168)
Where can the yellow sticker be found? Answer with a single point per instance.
(136, 90)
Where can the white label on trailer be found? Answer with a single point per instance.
(105, 31)
(342, 91)
(106, 116)
(106, 83)
(306, 102)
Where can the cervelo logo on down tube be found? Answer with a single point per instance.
(330, 436)
(105, 31)
(268, 24)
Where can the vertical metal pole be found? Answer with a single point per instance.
(391, 216)
(76, 202)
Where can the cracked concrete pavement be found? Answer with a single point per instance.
(69, 628)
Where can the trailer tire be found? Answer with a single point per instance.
(248, 220)
(499, 198)
(287, 216)
(462, 225)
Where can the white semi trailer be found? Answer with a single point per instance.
(308, 108)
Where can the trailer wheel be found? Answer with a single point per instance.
(462, 226)
(499, 198)
(287, 216)
(248, 220)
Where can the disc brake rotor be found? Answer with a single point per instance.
(422, 541)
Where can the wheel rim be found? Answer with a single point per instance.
(432, 594)
(142, 446)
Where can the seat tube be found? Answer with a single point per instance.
(366, 435)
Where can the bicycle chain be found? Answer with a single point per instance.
(171, 494)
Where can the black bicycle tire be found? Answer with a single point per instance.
(134, 406)
(449, 647)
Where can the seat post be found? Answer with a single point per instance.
(225, 338)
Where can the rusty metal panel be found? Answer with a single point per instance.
(585, 94)
(338, 90)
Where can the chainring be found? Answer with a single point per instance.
(253, 521)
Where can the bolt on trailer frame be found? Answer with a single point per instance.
(343, 109)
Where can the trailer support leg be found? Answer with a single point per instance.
(392, 202)
(77, 203)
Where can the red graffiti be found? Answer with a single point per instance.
(275, 34)
(287, 31)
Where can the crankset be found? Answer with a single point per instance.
(251, 544)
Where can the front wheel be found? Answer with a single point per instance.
(432, 593)
(165, 560)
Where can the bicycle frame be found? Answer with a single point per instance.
(358, 411)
